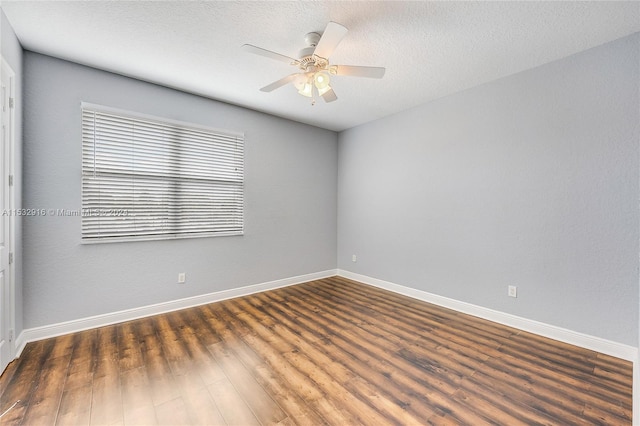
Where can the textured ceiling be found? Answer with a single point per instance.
(430, 49)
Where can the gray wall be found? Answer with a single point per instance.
(12, 53)
(290, 213)
(531, 180)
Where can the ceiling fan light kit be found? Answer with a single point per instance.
(313, 64)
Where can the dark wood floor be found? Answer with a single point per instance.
(331, 351)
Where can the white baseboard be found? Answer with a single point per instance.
(586, 341)
(53, 330)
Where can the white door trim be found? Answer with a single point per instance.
(10, 315)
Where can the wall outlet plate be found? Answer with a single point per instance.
(513, 291)
(182, 277)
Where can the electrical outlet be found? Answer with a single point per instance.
(354, 258)
(182, 277)
(513, 291)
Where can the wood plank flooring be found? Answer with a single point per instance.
(327, 352)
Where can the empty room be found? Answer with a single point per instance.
(320, 213)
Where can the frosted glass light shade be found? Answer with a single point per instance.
(321, 80)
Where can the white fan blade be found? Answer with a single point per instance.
(277, 84)
(355, 71)
(332, 36)
(268, 54)
(329, 96)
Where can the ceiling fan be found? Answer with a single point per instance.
(313, 64)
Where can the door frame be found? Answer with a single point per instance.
(11, 300)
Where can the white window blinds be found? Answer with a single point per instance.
(143, 178)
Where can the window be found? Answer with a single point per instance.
(147, 178)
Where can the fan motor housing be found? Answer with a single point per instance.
(305, 53)
(305, 56)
